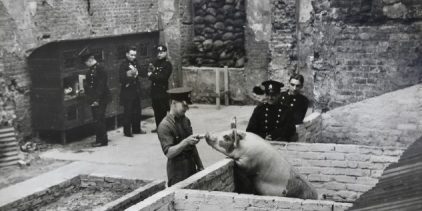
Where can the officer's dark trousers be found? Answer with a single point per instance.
(98, 114)
(160, 107)
(132, 116)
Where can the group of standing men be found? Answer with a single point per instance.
(98, 94)
(276, 118)
(130, 73)
(173, 127)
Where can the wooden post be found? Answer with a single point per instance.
(217, 87)
(115, 122)
(63, 136)
(226, 86)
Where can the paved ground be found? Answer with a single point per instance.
(144, 150)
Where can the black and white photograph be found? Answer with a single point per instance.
(211, 105)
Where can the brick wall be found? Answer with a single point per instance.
(218, 177)
(339, 172)
(201, 200)
(363, 49)
(392, 119)
(283, 44)
(27, 25)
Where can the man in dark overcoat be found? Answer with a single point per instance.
(130, 93)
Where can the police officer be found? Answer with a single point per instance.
(293, 100)
(271, 120)
(177, 141)
(97, 94)
(130, 93)
(159, 73)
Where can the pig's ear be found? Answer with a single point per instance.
(235, 137)
(241, 135)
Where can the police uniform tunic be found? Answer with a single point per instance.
(130, 97)
(159, 85)
(171, 131)
(296, 104)
(96, 90)
(271, 120)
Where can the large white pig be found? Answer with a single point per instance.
(270, 173)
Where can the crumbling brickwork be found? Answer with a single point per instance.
(283, 40)
(364, 49)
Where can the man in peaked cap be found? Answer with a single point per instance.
(159, 73)
(97, 95)
(271, 120)
(177, 141)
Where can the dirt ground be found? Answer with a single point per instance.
(34, 165)
(14, 174)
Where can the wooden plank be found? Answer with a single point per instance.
(6, 135)
(7, 130)
(8, 149)
(10, 139)
(5, 160)
(9, 163)
(7, 154)
(8, 144)
(226, 86)
(217, 87)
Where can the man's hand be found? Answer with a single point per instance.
(95, 103)
(268, 137)
(191, 140)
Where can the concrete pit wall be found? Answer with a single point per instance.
(205, 200)
(141, 190)
(340, 173)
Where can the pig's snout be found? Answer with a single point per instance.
(210, 139)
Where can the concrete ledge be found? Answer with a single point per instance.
(205, 200)
(135, 196)
(199, 180)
